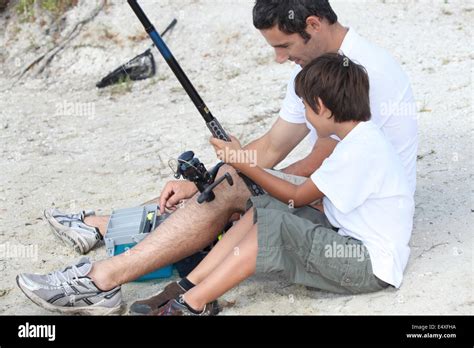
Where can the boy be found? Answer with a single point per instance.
(358, 245)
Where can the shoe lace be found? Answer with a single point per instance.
(69, 275)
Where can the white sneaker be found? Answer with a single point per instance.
(71, 229)
(71, 291)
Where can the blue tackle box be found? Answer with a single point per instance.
(128, 227)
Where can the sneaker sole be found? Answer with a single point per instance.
(215, 311)
(94, 310)
(67, 235)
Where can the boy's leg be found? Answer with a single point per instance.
(237, 266)
(205, 267)
(225, 246)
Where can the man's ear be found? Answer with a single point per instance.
(313, 23)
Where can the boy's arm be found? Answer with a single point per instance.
(282, 190)
(298, 195)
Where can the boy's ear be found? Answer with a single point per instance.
(323, 109)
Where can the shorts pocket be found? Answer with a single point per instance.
(348, 272)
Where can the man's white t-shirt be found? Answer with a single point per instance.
(391, 100)
(367, 196)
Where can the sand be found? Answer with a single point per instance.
(64, 143)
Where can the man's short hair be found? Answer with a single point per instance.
(291, 15)
(342, 85)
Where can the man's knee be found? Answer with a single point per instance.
(239, 184)
(227, 169)
(238, 192)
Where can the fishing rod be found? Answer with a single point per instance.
(211, 122)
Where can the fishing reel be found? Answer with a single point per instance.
(190, 168)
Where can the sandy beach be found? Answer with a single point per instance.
(65, 143)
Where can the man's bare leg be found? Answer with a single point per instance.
(185, 232)
(235, 268)
(225, 246)
(100, 222)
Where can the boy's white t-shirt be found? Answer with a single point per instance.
(367, 196)
(391, 100)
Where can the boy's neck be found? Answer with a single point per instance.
(344, 128)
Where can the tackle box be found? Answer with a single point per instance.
(128, 227)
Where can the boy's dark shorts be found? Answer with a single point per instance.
(303, 245)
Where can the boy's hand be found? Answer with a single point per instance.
(227, 151)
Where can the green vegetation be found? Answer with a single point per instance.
(26, 8)
(124, 86)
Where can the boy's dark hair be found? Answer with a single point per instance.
(291, 15)
(342, 85)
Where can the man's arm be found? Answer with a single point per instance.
(307, 166)
(275, 145)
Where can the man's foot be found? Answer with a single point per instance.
(71, 229)
(145, 307)
(178, 307)
(70, 291)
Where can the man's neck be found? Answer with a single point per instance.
(337, 35)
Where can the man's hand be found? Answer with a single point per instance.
(174, 192)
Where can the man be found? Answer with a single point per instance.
(299, 31)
